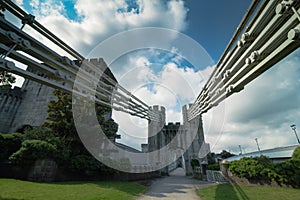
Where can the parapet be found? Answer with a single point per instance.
(97, 62)
(158, 108)
(187, 106)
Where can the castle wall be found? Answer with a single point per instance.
(28, 106)
(10, 100)
(33, 110)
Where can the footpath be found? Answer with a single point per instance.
(176, 186)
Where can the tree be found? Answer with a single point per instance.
(6, 78)
(211, 158)
(60, 117)
(225, 154)
(60, 121)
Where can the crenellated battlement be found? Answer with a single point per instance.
(158, 108)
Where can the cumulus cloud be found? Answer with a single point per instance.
(101, 19)
(168, 84)
(265, 109)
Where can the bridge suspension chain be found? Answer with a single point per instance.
(269, 31)
(59, 71)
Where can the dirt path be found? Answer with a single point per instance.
(175, 186)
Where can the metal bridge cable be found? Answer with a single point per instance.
(41, 29)
(13, 47)
(239, 29)
(45, 32)
(38, 27)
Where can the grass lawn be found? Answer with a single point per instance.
(236, 192)
(16, 189)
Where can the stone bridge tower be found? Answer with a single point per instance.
(190, 133)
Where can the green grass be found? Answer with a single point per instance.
(236, 192)
(16, 189)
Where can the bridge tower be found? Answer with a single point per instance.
(195, 136)
(155, 127)
(191, 135)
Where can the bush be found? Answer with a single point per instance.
(32, 150)
(262, 169)
(214, 167)
(288, 172)
(296, 154)
(9, 144)
(88, 165)
(195, 163)
(247, 168)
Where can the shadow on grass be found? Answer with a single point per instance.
(230, 192)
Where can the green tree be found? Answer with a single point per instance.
(210, 158)
(6, 78)
(60, 121)
(225, 154)
(60, 117)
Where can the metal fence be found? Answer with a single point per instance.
(215, 176)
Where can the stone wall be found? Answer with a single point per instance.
(10, 101)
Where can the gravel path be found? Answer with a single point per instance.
(175, 186)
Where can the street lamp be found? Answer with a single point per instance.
(257, 145)
(240, 150)
(293, 126)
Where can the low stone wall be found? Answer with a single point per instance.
(47, 171)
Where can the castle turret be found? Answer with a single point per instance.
(155, 125)
(194, 136)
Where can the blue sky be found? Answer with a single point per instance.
(169, 76)
(212, 23)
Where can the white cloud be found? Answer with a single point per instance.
(265, 109)
(19, 2)
(102, 19)
(167, 84)
(34, 3)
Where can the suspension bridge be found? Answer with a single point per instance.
(268, 32)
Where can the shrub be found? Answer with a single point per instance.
(257, 168)
(195, 163)
(296, 154)
(288, 172)
(262, 169)
(88, 165)
(214, 167)
(32, 150)
(9, 144)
